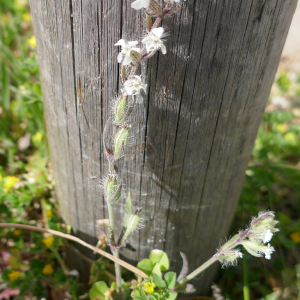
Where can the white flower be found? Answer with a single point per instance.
(172, 1)
(267, 236)
(138, 4)
(134, 85)
(126, 49)
(153, 40)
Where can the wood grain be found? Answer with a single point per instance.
(192, 133)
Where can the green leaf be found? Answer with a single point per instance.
(60, 276)
(158, 281)
(170, 279)
(146, 266)
(97, 291)
(171, 296)
(139, 294)
(159, 256)
(157, 269)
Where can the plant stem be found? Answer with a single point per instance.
(60, 260)
(81, 242)
(245, 275)
(118, 275)
(197, 271)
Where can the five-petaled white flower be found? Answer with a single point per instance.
(138, 4)
(153, 40)
(133, 85)
(127, 47)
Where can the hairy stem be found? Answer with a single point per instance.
(198, 271)
(118, 274)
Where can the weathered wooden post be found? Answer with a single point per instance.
(194, 131)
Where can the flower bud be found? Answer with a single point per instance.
(112, 189)
(230, 257)
(149, 23)
(136, 56)
(132, 223)
(121, 109)
(257, 249)
(155, 7)
(121, 141)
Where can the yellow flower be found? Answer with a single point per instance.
(48, 241)
(26, 17)
(149, 287)
(291, 137)
(14, 275)
(48, 270)
(9, 183)
(32, 42)
(49, 213)
(295, 237)
(37, 137)
(282, 128)
(17, 232)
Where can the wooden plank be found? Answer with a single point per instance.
(192, 133)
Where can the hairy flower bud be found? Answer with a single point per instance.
(133, 222)
(155, 7)
(230, 257)
(257, 249)
(121, 141)
(112, 189)
(135, 56)
(121, 109)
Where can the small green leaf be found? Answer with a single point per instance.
(158, 281)
(170, 279)
(157, 269)
(60, 276)
(139, 294)
(146, 266)
(171, 296)
(97, 291)
(159, 256)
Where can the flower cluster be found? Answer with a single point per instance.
(129, 56)
(254, 239)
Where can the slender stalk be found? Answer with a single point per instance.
(245, 275)
(61, 262)
(198, 271)
(118, 274)
(81, 242)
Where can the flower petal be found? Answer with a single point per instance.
(158, 31)
(120, 56)
(120, 42)
(138, 4)
(127, 60)
(163, 49)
